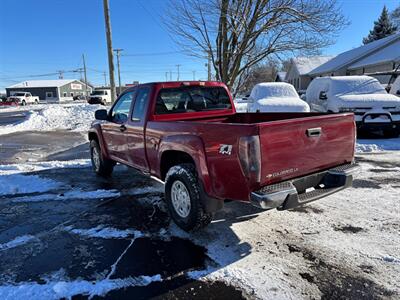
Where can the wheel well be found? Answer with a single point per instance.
(172, 158)
(93, 136)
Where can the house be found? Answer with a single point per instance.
(58, 90)
(299, 68)
(379, 56)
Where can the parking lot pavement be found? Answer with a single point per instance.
(83, 236)
(13, 117)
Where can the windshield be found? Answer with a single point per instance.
(357, 86)
(19, 94)
(191, 99)
(99, 93)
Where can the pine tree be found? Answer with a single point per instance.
(382, 28)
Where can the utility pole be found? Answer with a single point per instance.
(84, 71)
(60, 74)
(105, 79)
(166, 76)
(109, 48)
(170, 75)
(208, 65)
(194, 75)
(177, 78)
(118, 51)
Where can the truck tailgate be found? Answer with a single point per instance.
(297, 147)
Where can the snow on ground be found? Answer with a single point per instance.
(76, 117)
(104, 232)
(377, 145)
(23, 184)
(67, 289)
(42, 165)
(20, 240)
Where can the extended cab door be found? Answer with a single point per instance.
(114, 129)
(136, 130)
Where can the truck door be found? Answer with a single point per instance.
(136, 130)
(114, 131)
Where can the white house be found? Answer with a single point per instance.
(299, 68)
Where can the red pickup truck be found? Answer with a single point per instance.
(188, 135)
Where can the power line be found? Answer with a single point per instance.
(152, 54)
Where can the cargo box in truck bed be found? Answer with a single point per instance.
(189, 135)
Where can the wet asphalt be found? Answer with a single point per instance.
(55, 249)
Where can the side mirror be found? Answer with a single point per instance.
(101, 114)
(323, 96)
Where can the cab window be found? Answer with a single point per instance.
(141, 101)
(120, 111)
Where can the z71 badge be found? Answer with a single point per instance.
(225, 149)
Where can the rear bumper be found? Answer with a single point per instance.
(289, 194)
(394, 125)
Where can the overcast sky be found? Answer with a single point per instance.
(43, 36)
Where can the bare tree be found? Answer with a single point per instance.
(260, 73)
(239, 34)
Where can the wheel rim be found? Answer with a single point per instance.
(96, 158)
(180, 198)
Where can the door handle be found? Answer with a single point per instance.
(314, 132)
(122, 128)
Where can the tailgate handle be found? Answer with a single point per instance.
(314, 132)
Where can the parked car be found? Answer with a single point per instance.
(188, 135)
(275, 97)
(373, 107)
(4, 101)
(24, 98)
(100, 96)
(80, 98)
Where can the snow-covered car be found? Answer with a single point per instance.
(373, 107)
(275, 97)
(23, 98)
(241, 103)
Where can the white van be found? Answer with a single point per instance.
(373, 107)
(100, 96)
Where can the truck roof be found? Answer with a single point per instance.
(172, 84)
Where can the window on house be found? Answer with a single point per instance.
(49, 94)
(71, 94)
(65, 94)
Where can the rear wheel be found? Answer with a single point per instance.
(36, 101)
(23, 103)
(101, 165)
(184, 198)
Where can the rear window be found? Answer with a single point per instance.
(357, 86)
(191, 99)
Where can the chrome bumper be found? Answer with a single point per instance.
(293, 193)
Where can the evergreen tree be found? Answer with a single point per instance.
(382, 28)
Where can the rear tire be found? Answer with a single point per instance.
(23, 103)
(102, 166)
(184, 198)
(36, 101)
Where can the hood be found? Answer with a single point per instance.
(279, 104)
(366, 101)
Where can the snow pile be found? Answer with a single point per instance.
(372, 145)
(23, 184)
(105, 232)
(70, 195)
(276, 97)
(42, 165)
(76, 117)
(20, 240)
(68, 289)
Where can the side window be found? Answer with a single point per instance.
(142, 97)
(120, 111)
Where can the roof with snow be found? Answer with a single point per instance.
(353, 55)
(305, 64)
(43, 83)
(387, 54)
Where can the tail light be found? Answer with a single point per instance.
(250, 157)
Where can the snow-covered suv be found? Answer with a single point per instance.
(373, 107)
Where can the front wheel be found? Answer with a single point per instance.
(184, 199)
(101, 165)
